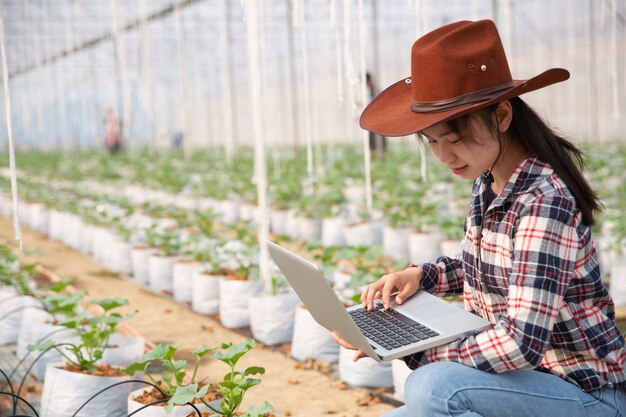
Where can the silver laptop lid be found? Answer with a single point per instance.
(319, 297)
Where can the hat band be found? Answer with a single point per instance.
(454, 102)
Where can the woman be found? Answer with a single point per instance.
(528, 262)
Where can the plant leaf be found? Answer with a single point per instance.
(41, 346)
(254, 370)
(202, 351)
(184, 395)
(110, 303)
(136, 367)
(259, 410)
(234, 352)
(160, 352)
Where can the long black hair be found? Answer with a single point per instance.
(542, 141)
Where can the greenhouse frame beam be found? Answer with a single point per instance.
(133, 25)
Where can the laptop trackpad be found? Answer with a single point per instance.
(430, 311)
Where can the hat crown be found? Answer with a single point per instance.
(456, 60)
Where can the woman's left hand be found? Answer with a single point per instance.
(359, 353)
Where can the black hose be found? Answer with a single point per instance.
(114, 385)
(17, 397)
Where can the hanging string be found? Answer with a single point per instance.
(147, 72)
(350, 72)
(335, 25)
(7, 111)
(614, 67)
(188, 131)
(121, 54)
(254, 71)
(365, 98)
(299, 22)
(423, 160)
(224, 42)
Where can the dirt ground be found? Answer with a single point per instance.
(292, 391)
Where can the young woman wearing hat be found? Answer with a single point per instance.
(528, 263)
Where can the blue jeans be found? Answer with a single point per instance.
(451, 389)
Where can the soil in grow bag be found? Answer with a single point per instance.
(151, 395)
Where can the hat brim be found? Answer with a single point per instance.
(390, 114)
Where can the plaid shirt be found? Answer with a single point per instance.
(540, 286)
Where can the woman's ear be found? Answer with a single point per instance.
(504, 113)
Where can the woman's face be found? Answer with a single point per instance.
(467, 157)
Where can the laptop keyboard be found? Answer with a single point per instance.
(389, 328)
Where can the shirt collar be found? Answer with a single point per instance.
(526, 177)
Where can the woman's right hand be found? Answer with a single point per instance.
(406, 282)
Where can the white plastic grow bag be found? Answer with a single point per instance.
(617, 286)
(333, 231)
(362, 234)
(12, 308)
(55, 224)
(182, 282)
(127, 350)
(396, 243)
(86, 239)
(64, 392)
(292, 225)
(31, 330)
(311, 340)
(424, 247)
(41, 332)
(278, 221)
(118, 258)
(100, 243)
(272, 317)
(39, 217)
(450, 248)
(159, 411)
(71, 236)
(24, 212)
(310, 229)
(160, 271)
(400, 372)
(234, 294)
(229, 211)
(365, 372)
(205, 296)
(139, 260)
(247, 212)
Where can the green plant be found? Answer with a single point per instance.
(93, 331)
(235, 383)
(174, 373)
(15, 273)
(204, 220)
(168, 241)
(233, 386)
(234, 258)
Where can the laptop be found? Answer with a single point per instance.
(421, 322)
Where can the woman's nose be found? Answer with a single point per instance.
(445, 154)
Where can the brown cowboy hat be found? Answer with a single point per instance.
(455, 70)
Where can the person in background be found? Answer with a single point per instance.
(112, 131)
(528, 264)
(378, 143)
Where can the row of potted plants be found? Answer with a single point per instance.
(217, 285)
(94, 376)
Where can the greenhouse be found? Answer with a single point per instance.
(301, 208)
